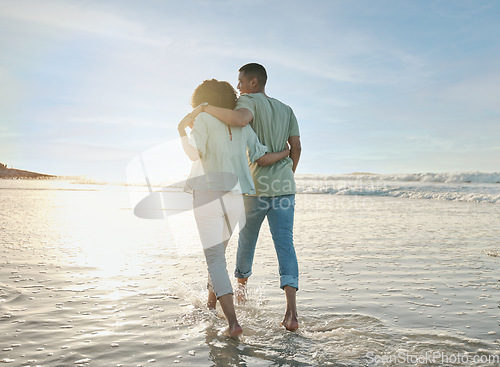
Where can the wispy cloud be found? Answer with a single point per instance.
(117, 120)
(385, 84)
(7, 133)
(480, 92)
(79, 17)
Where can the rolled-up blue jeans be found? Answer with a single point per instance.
(279, 211)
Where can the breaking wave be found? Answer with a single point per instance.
(461, 186)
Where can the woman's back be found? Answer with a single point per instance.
(223, 155)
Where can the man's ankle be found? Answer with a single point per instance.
(242, 281)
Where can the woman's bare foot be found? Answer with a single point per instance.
(211, 301)
(227, 305)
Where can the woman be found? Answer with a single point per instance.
(219, 177)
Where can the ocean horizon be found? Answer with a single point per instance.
(455, 186)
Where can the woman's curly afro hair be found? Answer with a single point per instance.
(215, 93)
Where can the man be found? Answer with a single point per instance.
(275, 125)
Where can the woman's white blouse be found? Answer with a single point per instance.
(223, 156)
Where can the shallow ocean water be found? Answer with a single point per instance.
(384, 281)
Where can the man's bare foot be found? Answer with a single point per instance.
(290, 322)
(233, 331)
(241, 294)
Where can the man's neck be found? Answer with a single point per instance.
(261, 90)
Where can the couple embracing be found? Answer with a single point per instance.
(245, 151)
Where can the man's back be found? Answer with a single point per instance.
(273, 122)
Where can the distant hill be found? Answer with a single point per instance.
(17, 173)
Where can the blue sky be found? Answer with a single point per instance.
(385, 87)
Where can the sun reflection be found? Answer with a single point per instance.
(94, 229)
(98, 231)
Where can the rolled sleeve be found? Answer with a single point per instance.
(246, 101)
(255, 148)
(294, 126)
(199, 135)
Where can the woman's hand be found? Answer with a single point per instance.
(185, 122)
(287, 150)
(190, 151)
(271, 158)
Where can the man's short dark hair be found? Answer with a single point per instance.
(215, 93)
(254, 70)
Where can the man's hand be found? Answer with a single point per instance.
(199, 109)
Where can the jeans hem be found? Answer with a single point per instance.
(239, 275)
(289, 280)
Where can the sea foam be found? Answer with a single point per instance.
(461, 186)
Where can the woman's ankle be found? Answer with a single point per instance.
(211, 301)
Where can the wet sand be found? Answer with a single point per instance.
(84, 282)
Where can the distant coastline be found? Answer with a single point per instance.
(12, 173)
